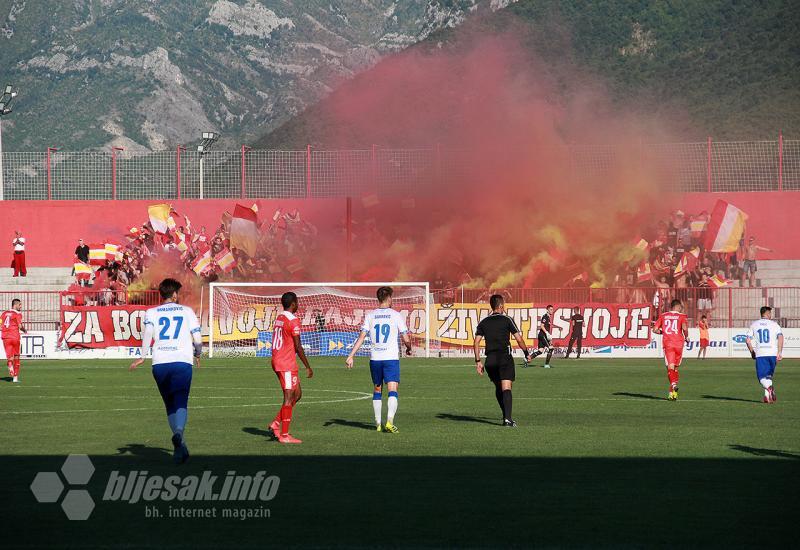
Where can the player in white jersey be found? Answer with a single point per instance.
(383, 325)
(765, 342)
(176, 332)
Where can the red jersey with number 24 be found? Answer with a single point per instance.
(672, 325)
(10, 321)
(286, 327)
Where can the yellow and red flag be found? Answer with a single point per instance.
(244, 230)
(225, 260)
(97, 254)
(159, 217)
(687, 262)
(726, 228)
(202, 263)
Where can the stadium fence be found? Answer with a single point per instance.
(249, 173)
(732, 307)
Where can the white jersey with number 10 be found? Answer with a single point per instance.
(384, 325)
(764, 336)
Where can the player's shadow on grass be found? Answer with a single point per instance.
(639, 395)
(465, 418)
(258, 431)
(349, 424)
(726, 398)
(144, 451)
(6, 379)
(757, 451)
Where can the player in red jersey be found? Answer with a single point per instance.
(11, 325)
(675, 329)
(285, 345)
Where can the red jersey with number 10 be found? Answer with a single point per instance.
(10, 321)
(672, 325)
(286, 327)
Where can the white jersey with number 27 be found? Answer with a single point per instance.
(764, 336)
(384, 325)
(173, 327)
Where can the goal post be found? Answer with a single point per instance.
(241, 316)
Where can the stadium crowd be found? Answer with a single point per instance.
(104, 272)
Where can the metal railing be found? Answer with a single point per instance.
(689, 167)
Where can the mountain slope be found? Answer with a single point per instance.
(726, 68)
(152, 74)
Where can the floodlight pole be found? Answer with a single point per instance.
(2, 182)
(114, 171)
(178, 151)
(202, 155)
(208, 139)
(5, 108)
(50, 150)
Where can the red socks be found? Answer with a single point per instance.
(673, 376)
(286, 419)
(16, 367)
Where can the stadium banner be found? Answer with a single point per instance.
(723, 343)
(254, 320)
(604, 324)
(102, 326)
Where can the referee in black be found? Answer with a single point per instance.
(497, 329)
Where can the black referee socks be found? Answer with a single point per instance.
(506, 404)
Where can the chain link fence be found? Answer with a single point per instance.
(689, 167)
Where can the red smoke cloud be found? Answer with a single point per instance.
(506, 210)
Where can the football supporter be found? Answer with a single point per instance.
(18, 261)
(703, 326)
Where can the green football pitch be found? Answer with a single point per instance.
(600, 457)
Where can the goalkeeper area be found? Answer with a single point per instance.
(600, 457)
(331, 316)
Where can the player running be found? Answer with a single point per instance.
(285, 346)
(703, 326)
(383, 325)
(497, 329)
(675, 329)
(174, 331)
(11, 321)
(545, 337)
(765, 342)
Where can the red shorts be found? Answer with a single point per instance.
(673, 356)
(703, 342)
(11, 346)
(288, 379)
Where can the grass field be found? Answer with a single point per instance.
(600, 458)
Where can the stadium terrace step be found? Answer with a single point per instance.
(38, 279)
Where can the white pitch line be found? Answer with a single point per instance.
(630, 399)
(361, 396)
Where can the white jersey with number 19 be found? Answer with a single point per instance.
(383, 325)
(173, 327)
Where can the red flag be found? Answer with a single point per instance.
(97, 254)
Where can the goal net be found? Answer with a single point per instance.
(241, 316)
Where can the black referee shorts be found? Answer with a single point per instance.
(500, 366)
(543, 341)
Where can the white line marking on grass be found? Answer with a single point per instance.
(654, 398)
(360, 396)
